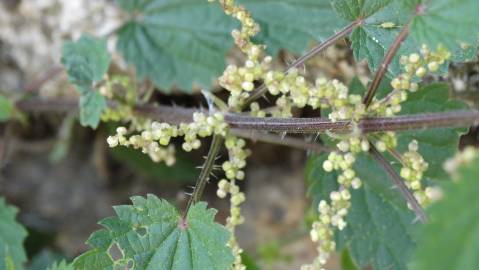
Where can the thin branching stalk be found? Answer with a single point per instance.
(399, 183)
(261, 90)
(39, 82)
(373, 87)
(205, 173)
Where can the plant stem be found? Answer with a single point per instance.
(399, 183)
(205, 173)
(261, 90)
(281, 140)
(39, 82)
(368, 97)
(369, 125)
(176, 115)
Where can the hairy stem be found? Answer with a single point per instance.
(368, 97)
(369, 125)
(176, 115)
(281, 140)
(205, 173)
(261, 90)
(399, 183)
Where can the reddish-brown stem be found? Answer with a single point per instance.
(399, 183)
(175, 115)
(368, 125)
(39, 82)
(261, 90)
(368, 97)
(293, 142)
(205, 173)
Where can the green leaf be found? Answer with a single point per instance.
(372, 40)
(293, 24)
(347, 262)
(435, 145)
(185, 43)
(384, 205)
(447, 22)
(6, 108)
(61, 266)
(12, 235)
(87, 61)
(451, 239)
(249, 262)
(92, 104)
(353, 9)
(183, 170)
(379, 230)
(151, 234)
(176, 42)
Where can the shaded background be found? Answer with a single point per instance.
(64, 178)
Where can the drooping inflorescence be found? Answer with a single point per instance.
(292, 90)
(234, 172)
(332, 214)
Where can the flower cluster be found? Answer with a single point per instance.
(295, 91)
(249, 27)
(466, 156)
(415, 66)
(343, 105)
(153, 138)
(413, 170)
(120, 89)
(239, 81)
(233, 169)
(332, 215)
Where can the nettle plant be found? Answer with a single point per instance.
(379, 159)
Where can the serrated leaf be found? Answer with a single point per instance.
(185, 44)
(176, 42)
(447, 22)
(293, 24)
(451, 239)
(87, 61)
(6, 108)
(353, 9)
(61, 266)
(92, 104)
(435, 145)
(378, 232)
(151, 234)
(379, 223)
(12, 235)
(372, 40)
